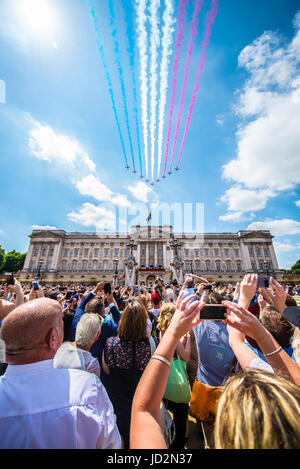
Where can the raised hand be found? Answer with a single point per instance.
(186, 315)
(275, 295)
(244, 321)
(248, 288)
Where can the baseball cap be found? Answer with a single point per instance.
(292, 314)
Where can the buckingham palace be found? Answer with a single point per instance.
(147, 253)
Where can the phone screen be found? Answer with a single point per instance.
(10, 279)
(35, 285)
(68, 295)
(213, 312)
(107, 288)
(263, 282)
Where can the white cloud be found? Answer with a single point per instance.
(297, 203)
(244, 200)
(285, 246)
(62, 150)
(93, 187)
(268, 138)
(140, 191)
(282, 227)
(94, 216)
(43, 227)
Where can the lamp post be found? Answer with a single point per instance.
(39, 270)
(115, 277)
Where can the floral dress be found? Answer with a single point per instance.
(126, 361)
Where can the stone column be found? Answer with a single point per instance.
(155, 254)
(245, 256)
(255, 257)
(273, 257)
(28, 258)
(56, 256)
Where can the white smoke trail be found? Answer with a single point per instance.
(142, 44)
(168, 29)
(154, 44)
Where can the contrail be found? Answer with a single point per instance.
(121, 75)
(193, 32)
(168, 29)
(142, 44)
(107, 74)
(131, 53)
(207, 33)
(179, 38)
(154, 44)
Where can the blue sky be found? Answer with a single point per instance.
(61, 158)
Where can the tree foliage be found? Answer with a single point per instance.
(11, 261)
(2, 258)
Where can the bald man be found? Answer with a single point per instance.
(45, 407)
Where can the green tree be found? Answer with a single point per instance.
(2, 258)
(295, 267)
(14, 261)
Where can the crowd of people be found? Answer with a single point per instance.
(111, 367)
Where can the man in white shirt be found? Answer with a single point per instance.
(45, 407)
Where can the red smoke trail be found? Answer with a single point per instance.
(209, 22)
(179, 37)
(193, 32)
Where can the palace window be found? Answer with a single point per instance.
(218, 266)
(76, 252)
(63, 266)
(84, 266)
(228, 266)
(96, 252)
(226, 252)
(74, 266)
(66, 252)
(86, 252)
(239, 267)
(207, 265)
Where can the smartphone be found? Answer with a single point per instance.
(208, 287)
(10, 278)
(35, 285)
(135, 290)
(213, 312)
(107, 288)
(69, 294)
(263, 282)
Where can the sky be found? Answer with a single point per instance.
(62, 162)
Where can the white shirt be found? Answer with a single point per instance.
(48, 408)
(69, 356)
(260, 364)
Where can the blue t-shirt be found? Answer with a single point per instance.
(215, 356)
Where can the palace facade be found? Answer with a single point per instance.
(147, 253)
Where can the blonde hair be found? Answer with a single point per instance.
(167, 311)
(296, 345)
(87, 329)
(258, 410)
(145, 299)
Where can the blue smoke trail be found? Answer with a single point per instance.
(131, 53)
(120, 70)
(107, 75)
